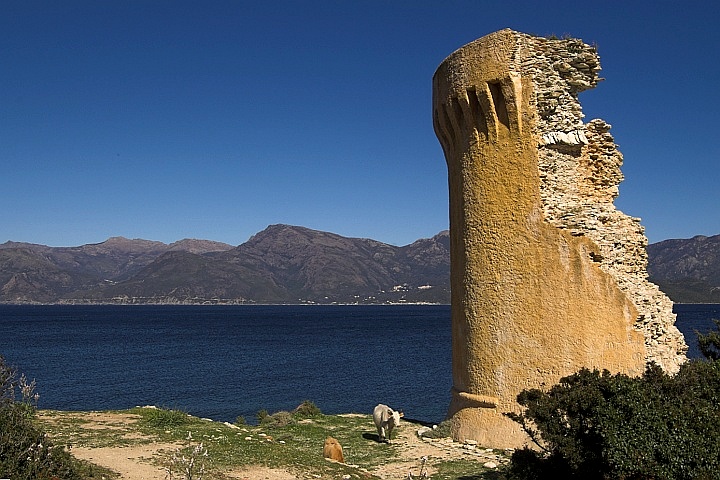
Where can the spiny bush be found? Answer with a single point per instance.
(262, 415)
(307, 409)
(601, 426)
(25, 451)
(164, 417)
(187, 464)
(278, 419)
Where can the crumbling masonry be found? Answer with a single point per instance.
(547, 275)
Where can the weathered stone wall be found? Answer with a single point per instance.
(580, 171)
(547, 276)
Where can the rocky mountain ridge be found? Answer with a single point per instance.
(287, 264)
(281, 264)
(687, 270)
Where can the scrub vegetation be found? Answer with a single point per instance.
(595, 425)
(26, 452)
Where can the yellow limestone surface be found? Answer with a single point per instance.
(529, 303)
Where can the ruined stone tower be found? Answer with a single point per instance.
(547, 275)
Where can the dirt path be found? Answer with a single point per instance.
(413, 449)
(130, 462)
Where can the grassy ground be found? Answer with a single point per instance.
(291, 442)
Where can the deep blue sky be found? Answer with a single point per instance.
(172, 119)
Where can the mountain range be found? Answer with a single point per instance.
(281, 264)
(287, 264)
(687, 270)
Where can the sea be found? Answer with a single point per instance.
(225, 362)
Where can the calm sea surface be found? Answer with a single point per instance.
(225, 361)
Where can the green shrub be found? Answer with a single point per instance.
(307, 409)
(25, 451)
(164, 417)
(261, 415)
(279, 419)
(710, 343)
(601, 426)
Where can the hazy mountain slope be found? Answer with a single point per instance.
(194, 245)
(38, 273)
(429, 258)
(688, 270)
(28, 276)
(191, 278)
(289, 264)
(312, 262)
(321, 266)
(114, 258)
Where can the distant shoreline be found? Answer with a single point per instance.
(219, 304)
(239, 304)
